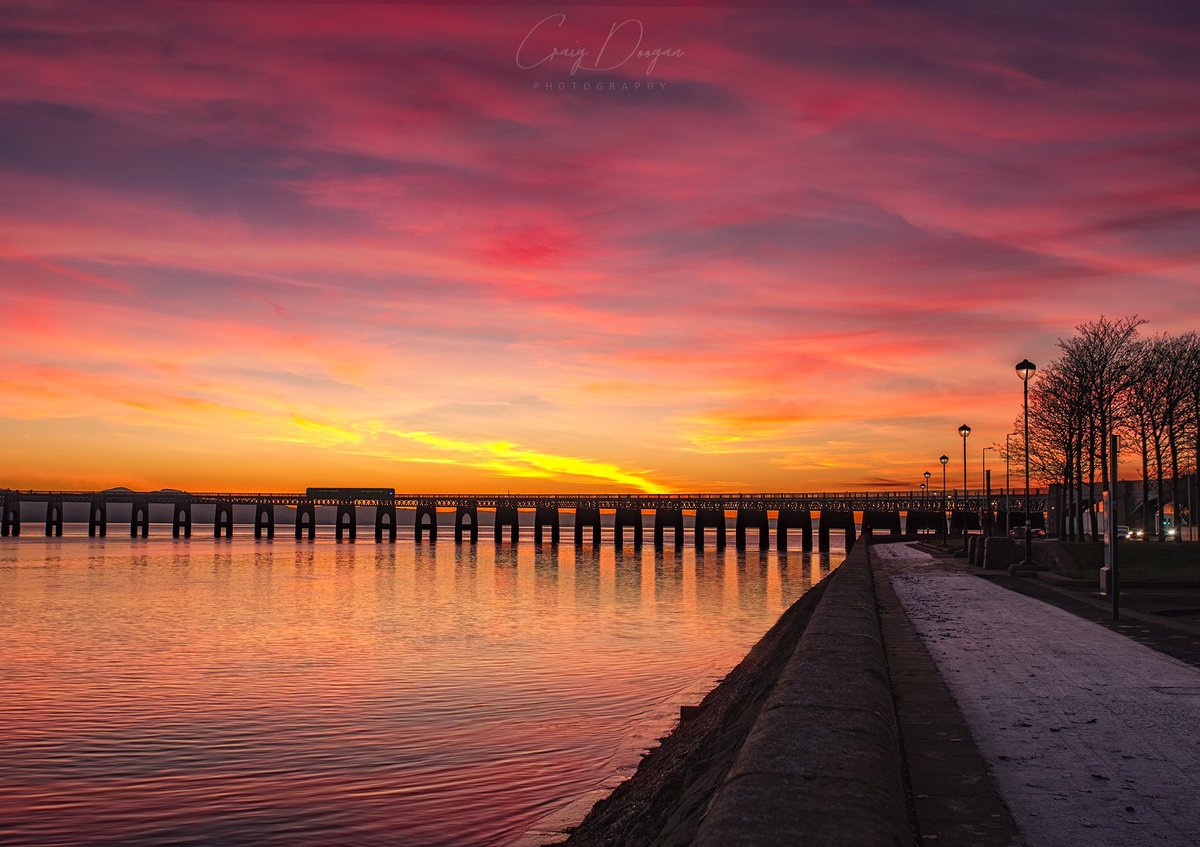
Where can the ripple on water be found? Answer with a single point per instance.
(276, 693)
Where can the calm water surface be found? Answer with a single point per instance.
(269, 693)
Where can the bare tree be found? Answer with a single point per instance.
(1107, 380)
(1174, 371)
(1145, 408)
(1102, 358)
(1056, 417)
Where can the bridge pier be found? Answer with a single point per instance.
(385, 521)
(831, 519)
(627, 517)
(466, 517)
(346, 522)
(223, 519)
(794, 510)
(306, 520)
(1036, 519)
(10, 523)
(706, 519)
(264, 520)
(915, 521)
(749, 519)
(587, 517)
(506, 515)
(139, 519)
(793, 519)
(667, 518)
(426, 522)
(97, 518)
(876, 520)
(956, 521)
(545, 516)
(181, 520)
(54, 518)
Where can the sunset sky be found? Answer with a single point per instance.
(264, 246)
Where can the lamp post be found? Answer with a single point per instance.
(927, 474)
(945, 535)
(986, 488)
(1007, 487)
(1025, 369)
(964, 431)
(923, 486)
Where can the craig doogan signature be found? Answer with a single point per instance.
(622, 45)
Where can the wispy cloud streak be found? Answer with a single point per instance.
(295, 236)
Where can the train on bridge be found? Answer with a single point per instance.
(898, 514)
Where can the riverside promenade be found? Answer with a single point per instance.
(1089, 737)
(911, 699)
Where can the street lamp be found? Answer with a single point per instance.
(1007, 486)
(964, 431)
(987, 489)
(1025, 369)
(923, 487)
(945, 535)
(927, 474)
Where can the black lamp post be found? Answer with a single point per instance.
(1025, 369)
(1007, 487)
(964, 431)
(945, 535)
(927, 474)
(986, 488)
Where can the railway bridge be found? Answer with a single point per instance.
(899, 514)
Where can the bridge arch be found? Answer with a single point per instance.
(875, 520)
(54, 518)
(181, 520)
(545, 516)
(139, 519)
(426, 521)
(752, 519)
(789, 519)
(709, 519)
(264, 520)
(306, 520)
(627, 516)
(506, 515)
(385, 521)
(10, 522)
(666, 517)
(920, 520)
(836, 519)
(97, 518)
(466, 517)
(346, 523)
(223, 519)
(587, 517)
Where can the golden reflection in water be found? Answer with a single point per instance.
(304, 693)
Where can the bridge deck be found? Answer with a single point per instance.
(814, 502)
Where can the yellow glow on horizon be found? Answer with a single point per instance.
(327, 433)
(510, 460)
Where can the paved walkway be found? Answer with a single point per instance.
(1092, 739)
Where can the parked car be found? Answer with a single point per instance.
(1019, 532)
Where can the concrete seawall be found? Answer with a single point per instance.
(822, 763)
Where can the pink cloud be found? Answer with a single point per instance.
(835, 217)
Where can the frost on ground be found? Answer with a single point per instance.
(1093, 739)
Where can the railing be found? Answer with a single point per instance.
(852, 501)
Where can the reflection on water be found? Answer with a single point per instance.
(242, 692)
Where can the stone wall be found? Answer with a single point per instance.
(822, 764)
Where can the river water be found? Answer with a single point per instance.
(160, 692)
